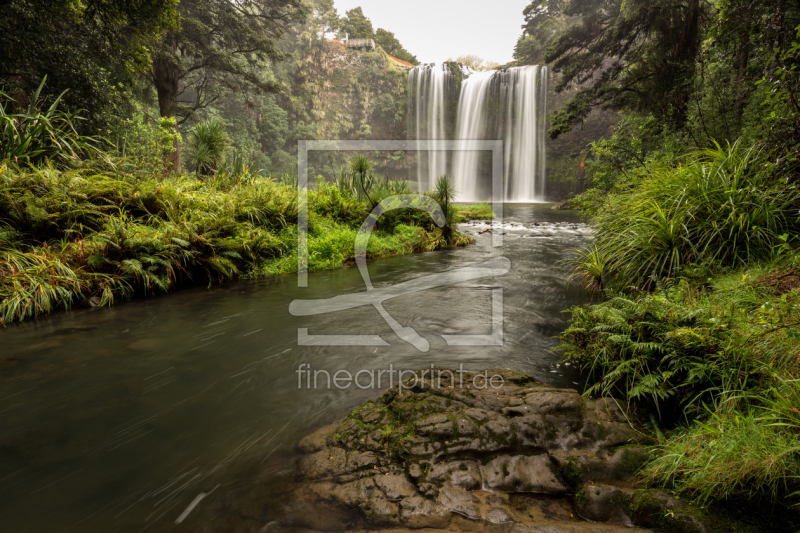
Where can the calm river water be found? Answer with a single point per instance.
(121, 419)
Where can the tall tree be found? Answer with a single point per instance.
(325, 17)
(386, 40)
(357, 25)
(633, 54)
(220, 46)
(86, 46)
(544, 20)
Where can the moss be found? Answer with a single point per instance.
(571, 472)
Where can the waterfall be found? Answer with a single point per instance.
(509, 105)
(427, 87)
(526, 102)
(470, 126)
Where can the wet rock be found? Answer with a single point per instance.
(381, 512)
(498, 515)
(580, 466)
(522, 474)
(601, 503)
(317, 440)
(418, 512)
(555, 401)
(460, 502)
(658, 509)
(357, 460)
(324, 464)
(438, 425)
(462, 474)
(396, 487)
(521, 458)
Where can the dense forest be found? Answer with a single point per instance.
(153, 145)
(694, 205)
(150, 145)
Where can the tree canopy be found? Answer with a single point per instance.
(220, 45)
(386, 40)
(544, 20)
(636, 53)
(356, 25)
(86, 46)
(682, 61)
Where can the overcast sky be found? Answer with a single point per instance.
(435, 30)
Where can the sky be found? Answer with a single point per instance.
(437, 30)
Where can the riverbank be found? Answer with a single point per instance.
(492, 451)
(696, 276)
(96, 235)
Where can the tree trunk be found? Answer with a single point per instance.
(166, 75)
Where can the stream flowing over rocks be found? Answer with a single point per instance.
(458, 454)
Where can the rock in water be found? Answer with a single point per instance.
(457, 453)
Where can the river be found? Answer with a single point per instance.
(185, 408)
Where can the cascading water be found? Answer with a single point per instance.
(470, 126)
(525, 160)
(427, 87)
(507, 104)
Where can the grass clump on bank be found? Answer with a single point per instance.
(720, 207)
(78, 225)
(69, 236)
(698, 325)
(81, 226)
(750, 452)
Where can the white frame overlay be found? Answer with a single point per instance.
(495, 147)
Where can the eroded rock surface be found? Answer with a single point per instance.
(519, 458)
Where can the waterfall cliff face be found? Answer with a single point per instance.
(508, 105)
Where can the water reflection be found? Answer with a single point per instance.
(120, 419)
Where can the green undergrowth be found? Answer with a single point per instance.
(697, 276)
(713, 361)
(468, 212)
(97, 234)
(723, 207)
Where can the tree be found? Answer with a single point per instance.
(386, 40)
(324, 16)
(634, 54)
(89, 47)
(476, 63)
(220, 46)
(544, 20)
(356, 25)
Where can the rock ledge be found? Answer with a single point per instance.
(519, 458)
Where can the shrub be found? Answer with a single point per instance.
(39, 135)
(750, 451)
(145, 145)
(720, 207)
(680, 347)
(206, 146)
(83, 235)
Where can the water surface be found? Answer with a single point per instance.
(118, 419)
